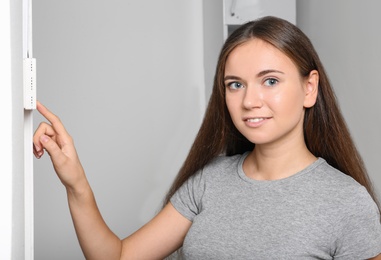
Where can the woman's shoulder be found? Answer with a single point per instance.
(333, 177)
(224, 163)
(340, 187)
(219, 167)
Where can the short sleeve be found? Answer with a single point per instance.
(187, 199)
(359, 236)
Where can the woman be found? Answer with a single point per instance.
(272, 174)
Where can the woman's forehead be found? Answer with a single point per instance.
(256, 55)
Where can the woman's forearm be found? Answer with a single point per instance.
(96, 239)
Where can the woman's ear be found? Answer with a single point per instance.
(311, 85)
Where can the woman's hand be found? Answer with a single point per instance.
(159, 238)
(58, 143)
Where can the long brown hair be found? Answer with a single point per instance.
(325, 131)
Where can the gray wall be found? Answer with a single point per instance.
(346, 36)
(213, 39)
(127, 79)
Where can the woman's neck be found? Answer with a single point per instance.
(273, 163)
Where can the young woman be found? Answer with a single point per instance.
(273, 172)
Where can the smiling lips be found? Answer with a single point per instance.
(255, 121)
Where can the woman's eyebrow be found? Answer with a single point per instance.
(228, 77)
(260, 74)
(264, 72)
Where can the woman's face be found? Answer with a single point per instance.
(265, 94)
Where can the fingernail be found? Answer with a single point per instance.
(44, 138)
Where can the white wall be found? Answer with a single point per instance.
(6, 181)
(345, 34)
(127, 79)
(11, 132)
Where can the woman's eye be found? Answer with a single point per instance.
(235, 85)
(271, 82)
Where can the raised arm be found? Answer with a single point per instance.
(158, 238)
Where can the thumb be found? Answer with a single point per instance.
(54, 151)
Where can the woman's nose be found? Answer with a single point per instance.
(253, 98)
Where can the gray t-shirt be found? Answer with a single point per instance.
(317, 213)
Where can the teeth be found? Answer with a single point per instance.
(255, 120)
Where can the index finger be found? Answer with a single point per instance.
(52, 118)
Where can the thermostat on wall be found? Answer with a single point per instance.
(30, 99)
